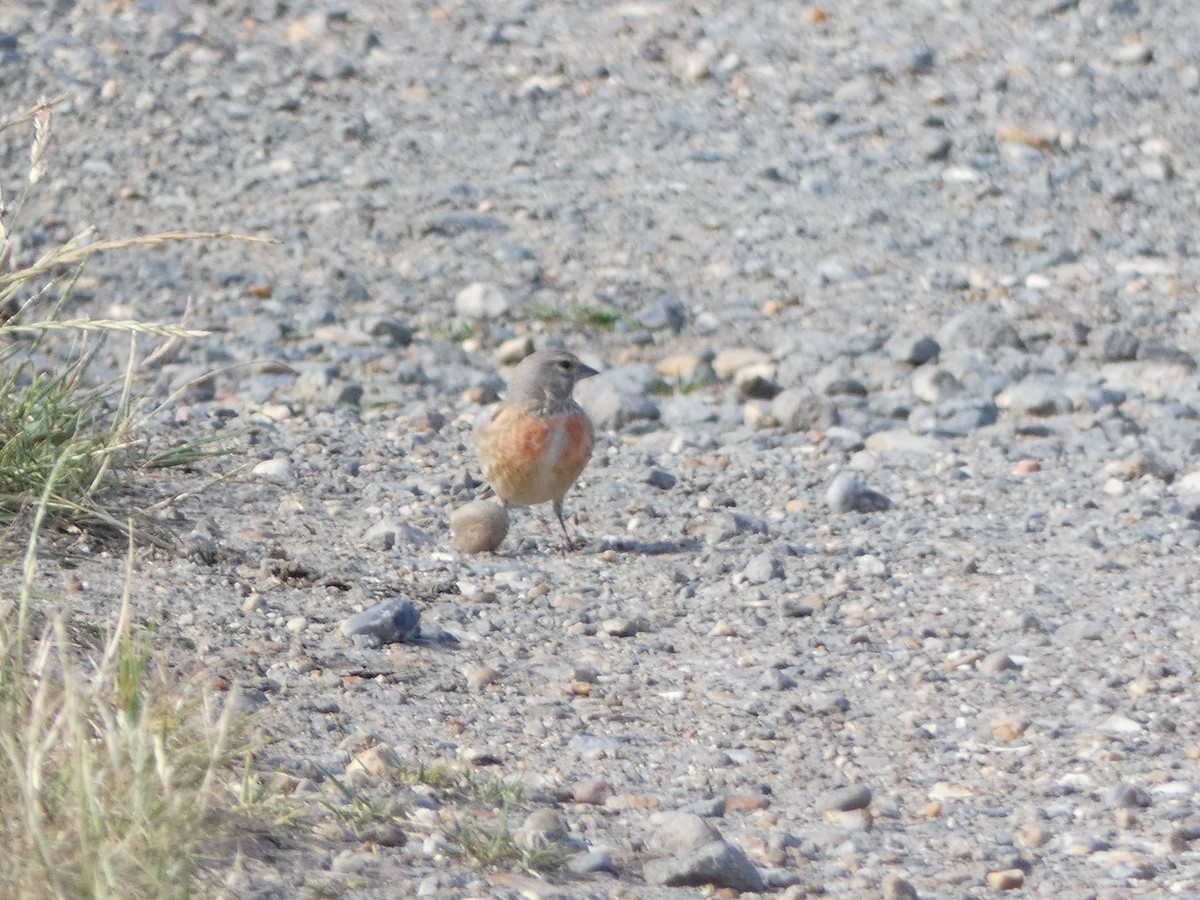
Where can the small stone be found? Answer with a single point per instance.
(665, 312)
(714, 807)
(757, 415)
(694, 864)
(276, 471)
(1181, 839)
(461, 221)
(1135, 54)
(387, 622)
(481, 676)
(480, 526)
(376, 761)
(849, 493)
(722, 629)
(979, 331)
(849, 819)
(479, 757)
(296, 624)
(763, 568)
(1041, 138)
(1118, 725)
(541, 828)
(1147, 462)
(1113, 343)
(757, 381)
(896, 887)
(936, 148)
(997, 662)
(746, 802)
(385, 834)
(933, 384)
(1129, 796)
(678, 833)
(1036, 396)
(800, 409)
(618, 396)
(844, 799)
(584, 673)
(481, 300)
(1026, 467)
(912, 350)
(592, 861)
(512, 351)
(1009, 728)
(592, 791)
(394, 332)
(661, 479)
(727, 363)
(619, 627)
(481, 395)
(1006, 879)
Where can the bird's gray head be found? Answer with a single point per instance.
(546, 376)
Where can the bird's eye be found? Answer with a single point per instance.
(565, 365)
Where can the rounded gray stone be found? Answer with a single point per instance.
(480, 526)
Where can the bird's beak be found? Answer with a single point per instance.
(586, 371)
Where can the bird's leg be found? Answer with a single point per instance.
(568, 544)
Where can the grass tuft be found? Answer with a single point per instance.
(109, 784)
(53, 417)
(580, 315)
(113, 781)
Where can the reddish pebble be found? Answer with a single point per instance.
(746, 801)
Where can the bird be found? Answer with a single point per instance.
(538, 439)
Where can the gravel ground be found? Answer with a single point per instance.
(889, 540)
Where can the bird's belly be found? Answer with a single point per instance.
(538, 460)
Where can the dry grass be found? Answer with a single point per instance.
(112, 781)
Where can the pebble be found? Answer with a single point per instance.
(762, 568)
(385, 623)
(541, 828)
(1143, 462)
(1129, 796)
(481, 300)
(800, 409)
(276, 471)
(1036, 396)
(844, 799)
(591, 862)
(697, 856)
(896, 887)
(849, 493)
(479, 526)
(661, 479)
(933, 384)
(618, 396)
(1006, 879)
(912, 350)
(979, 331)
(620, 627)
(512, 351)
(481, 676)
(593, 791)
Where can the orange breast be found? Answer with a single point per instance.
(529, 459)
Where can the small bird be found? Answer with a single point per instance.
(533, 447)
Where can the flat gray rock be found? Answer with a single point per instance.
(385, 623)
